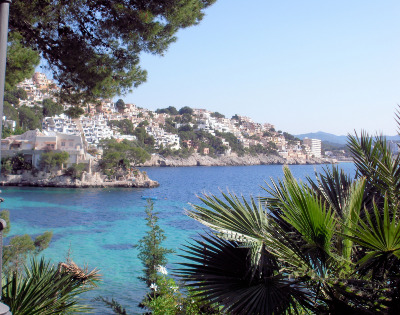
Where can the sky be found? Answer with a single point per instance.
(304, 66)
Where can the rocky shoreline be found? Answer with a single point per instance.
(141, 180)
(89, 180)
(232, 160)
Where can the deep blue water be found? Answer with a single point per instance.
(99, 226)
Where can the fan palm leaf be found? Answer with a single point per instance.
(333, 186)
(374, 161)
(303, 210)
(234, 219)
(380, 234)
(220, 271)
(313, 249)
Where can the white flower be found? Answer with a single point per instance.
(162, 269)
(153, 286)
(174, 288)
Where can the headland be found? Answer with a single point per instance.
(88, 180)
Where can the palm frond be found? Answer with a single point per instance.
(374, 161)
(303, 210)
(333, 186)
(234, 219)
(380, 234)
(356, 296)
(397, 118)
(351, 214)
(220, 271)
(43, 289)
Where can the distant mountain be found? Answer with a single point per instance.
(324, 136)
(329, 137)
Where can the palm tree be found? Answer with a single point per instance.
(327, 246)
(46, 289)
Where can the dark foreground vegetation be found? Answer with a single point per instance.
(330, 245)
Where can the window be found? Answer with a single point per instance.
(63, 144)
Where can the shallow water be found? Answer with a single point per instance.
(99, 226)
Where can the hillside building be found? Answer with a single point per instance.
(314, 145)
(33, 143)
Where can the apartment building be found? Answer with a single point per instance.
(314, 145)
(60, 124)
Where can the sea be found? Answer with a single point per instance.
(98, 227)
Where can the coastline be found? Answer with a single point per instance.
(231, 160)
(141, 179)
(89, 180)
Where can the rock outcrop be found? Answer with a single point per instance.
(232, 160)
(94, 180)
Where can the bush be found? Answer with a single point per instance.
(53, 160)
(6, 167)
(18, 163)
(10, 165)
(76, 170)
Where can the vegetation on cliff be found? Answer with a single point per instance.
(119, 157)
(117, 164)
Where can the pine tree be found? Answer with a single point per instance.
(151, 253)
(93, 48)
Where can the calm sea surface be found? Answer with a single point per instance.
(99, 226)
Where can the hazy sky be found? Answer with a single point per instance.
(304, 66)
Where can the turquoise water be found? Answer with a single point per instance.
(99, 226)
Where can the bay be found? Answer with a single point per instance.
(99, 226)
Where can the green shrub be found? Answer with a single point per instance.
(6, 167)
(76, 170)
(53, 160)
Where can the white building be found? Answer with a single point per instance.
(33, 143)
(95, 129)
(314, 145)
(60, 124)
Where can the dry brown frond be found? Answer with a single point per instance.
(80, 274)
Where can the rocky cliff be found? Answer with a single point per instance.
(232, 160)
(93, 180)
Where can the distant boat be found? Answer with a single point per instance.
(149, 197)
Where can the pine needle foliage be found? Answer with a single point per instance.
(113, 305)
(151, 252)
